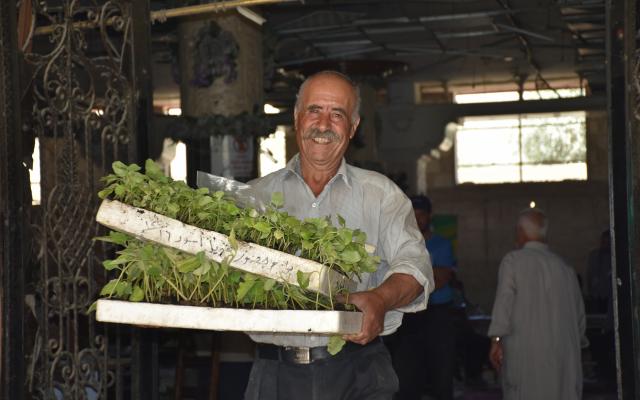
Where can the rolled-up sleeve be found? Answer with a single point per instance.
(403, 247)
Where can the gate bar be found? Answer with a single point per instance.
(14, 205)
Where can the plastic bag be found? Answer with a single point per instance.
(243, 194)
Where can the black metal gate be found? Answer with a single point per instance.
(83, 92)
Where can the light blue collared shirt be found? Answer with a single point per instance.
(368, 201)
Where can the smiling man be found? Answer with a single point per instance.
(318, 182)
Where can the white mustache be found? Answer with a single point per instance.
(315, 133)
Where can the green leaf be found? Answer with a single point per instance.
(235, 276)
(152, 169)
(359, 236)
(92, 307)
(109, 288)
(341, 221)
(119, 168)
(173, 209)
(277, 199)
(104, 193)
(278, 234)
(188, 265)
(269, 284)
(262, 227)
(303, 279)
(204, 200)
(346, 236)
(154, 271)
(350, 256)
(120, 190)
(336, 343)
(111, 264)
(203, 269)
(243, 289)
(137, 294)
(133, 168)
(232, 240)
(114, 237)
(123, 288)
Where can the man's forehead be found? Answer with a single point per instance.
(329, 87)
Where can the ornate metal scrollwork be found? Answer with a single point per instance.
(79, 60)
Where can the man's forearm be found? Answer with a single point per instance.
(442, 276)
(398, 290)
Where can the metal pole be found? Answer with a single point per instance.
(14, 205)
(623, 191)
(145, 372)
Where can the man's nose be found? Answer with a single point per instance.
(324, 121)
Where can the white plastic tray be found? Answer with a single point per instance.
(228, 319)
(150, 226)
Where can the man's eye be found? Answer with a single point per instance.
(337, 115)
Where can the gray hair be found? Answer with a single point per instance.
(534, 222)
(356, 111)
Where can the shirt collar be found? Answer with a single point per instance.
(293, 167)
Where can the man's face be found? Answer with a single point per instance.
(323, 121)
(423, 218)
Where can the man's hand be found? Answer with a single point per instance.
(495, 355)
(373, 308)
(396, 291)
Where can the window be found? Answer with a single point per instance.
(521, 148)
(272, 152)
(34, 174)
(178, 166)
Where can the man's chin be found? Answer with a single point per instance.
(321, 161)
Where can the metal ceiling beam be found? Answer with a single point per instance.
(412, 50)
(329, 56)
(526, 46)
(525, 32)
(370, 22)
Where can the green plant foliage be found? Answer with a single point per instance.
(149, 272)
(157, 274)
(336, 343)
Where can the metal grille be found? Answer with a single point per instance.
(80, 104)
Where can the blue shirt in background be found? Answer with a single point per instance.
(441, 254)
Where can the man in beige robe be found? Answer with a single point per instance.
(538, 320)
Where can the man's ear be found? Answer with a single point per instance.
(354, 127)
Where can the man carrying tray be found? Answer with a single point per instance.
(317, 182)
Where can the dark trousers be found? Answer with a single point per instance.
(363, 375)
(423, 351)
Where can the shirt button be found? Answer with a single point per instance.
(314, 205)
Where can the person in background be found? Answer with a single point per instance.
(599, 300)
(424, 347)
(538, 320)
(318, 182)
(599, 285)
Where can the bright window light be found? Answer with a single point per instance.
(34, 175)
(273, 152)
(177, 111)
(494, 97)
(269, 109)
(178, 166)
(521, 148)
